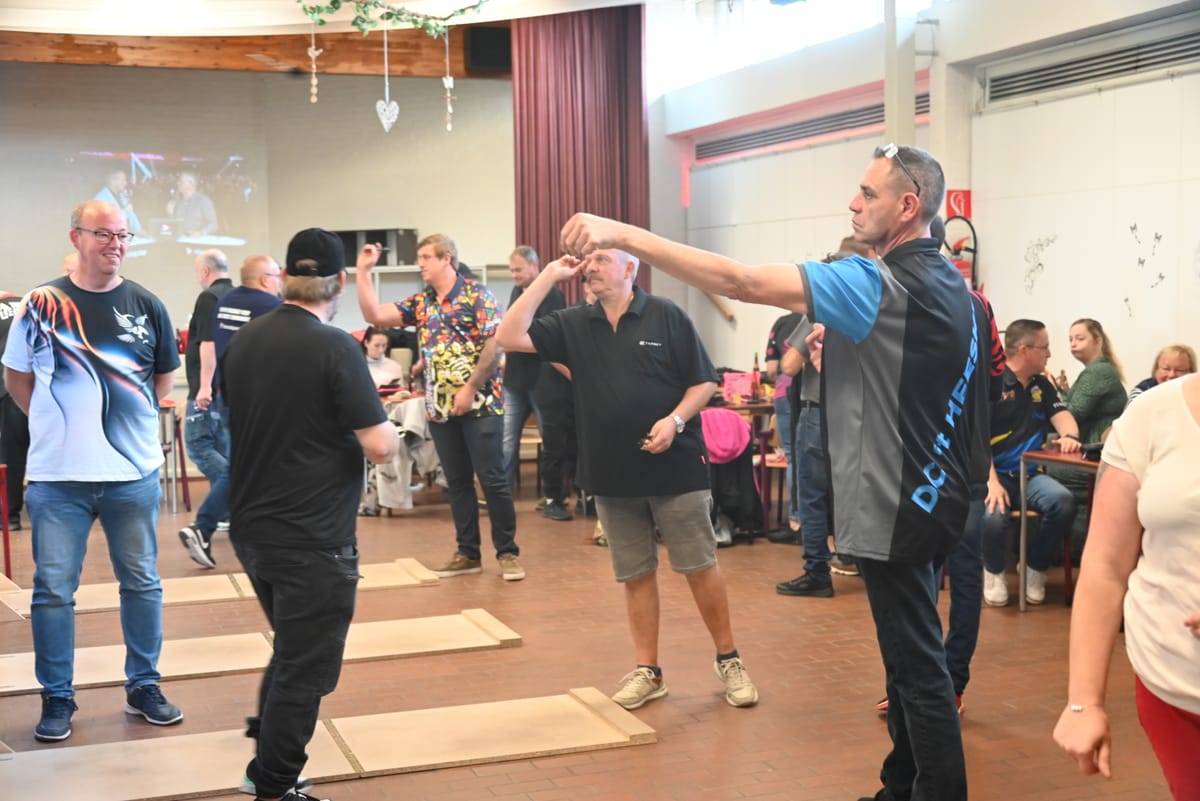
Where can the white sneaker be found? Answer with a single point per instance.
(995, 589)
(1035, 586)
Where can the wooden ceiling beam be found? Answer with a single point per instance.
(410, 52)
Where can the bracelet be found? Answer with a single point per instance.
(1071, 436)
(1080, 707)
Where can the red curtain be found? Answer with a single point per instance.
(579, 110)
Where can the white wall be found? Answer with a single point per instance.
(1058, 187)
(786, 205)
(328, 165)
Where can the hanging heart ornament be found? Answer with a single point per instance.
(388, 112)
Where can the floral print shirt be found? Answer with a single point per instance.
(452, 333)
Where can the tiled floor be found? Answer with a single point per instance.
(813, 737)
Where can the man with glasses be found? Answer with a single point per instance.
(1028, 408)
(261, 280)
(903, 353)
(206, 431)
(88, 357)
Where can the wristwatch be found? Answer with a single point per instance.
(680, 423)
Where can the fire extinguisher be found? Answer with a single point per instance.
(964, 251)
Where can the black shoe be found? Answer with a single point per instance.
(556, 510)
(785, 536)
(198, 545)
(843, 565)
(56, 718)
(807, 585)
(148, 701)
(14, 523)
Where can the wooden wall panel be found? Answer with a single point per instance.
(410, 52)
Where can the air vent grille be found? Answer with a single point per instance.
(799, 131)
(1126, 61)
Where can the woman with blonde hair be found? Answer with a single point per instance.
(1173, 361)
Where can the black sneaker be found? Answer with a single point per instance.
(556, 510)
(148, 701)
(843, 565)
(296, 794)
(303, 785)
(784, 536)
(198, 544)
(55, 724)
(807, 585)
(14, 522)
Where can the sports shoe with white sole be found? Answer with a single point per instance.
(638, 687)
(995, 589)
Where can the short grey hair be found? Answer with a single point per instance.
(311, 289)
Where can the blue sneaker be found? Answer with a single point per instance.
(148, 701)
(55, 724)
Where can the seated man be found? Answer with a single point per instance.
(1020, 421)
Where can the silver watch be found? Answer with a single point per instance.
(680, 423)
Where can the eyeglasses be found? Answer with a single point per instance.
(104, 236)
(1040, 347)
(892, 151)
(274, 275)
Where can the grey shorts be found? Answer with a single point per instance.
(683, 520)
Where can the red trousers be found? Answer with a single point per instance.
(1175, 736)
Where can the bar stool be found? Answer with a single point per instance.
(174, 475)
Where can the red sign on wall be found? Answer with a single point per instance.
(958, 203)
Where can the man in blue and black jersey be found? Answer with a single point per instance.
(1028, 408)
(904, 357)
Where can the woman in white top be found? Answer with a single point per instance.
(385, 371)
(1144, 548)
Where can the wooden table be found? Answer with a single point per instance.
(1071, 461)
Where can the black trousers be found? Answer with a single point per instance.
(308, 597)
(559, 449)
(14, 449)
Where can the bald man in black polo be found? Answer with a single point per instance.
(639, 376)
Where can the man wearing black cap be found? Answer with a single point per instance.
(303, 412)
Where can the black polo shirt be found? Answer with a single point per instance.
(522, 370)
(624, 381)
(1021, 419)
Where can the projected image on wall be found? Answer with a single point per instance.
(173, 199)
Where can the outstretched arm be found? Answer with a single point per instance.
(769, 284)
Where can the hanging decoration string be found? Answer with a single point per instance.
(387, 110)
(448, 83)
(313, 52)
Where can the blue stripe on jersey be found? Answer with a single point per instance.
(845, 295)
(1009, 460)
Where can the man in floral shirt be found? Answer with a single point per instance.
(456, 319)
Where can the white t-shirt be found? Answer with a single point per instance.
(384, 370)
(1158, 440)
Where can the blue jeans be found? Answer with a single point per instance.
(466, 447)
(518, 403)
(62, 513)
(926, 762)
(1051, 500)
(308, 598)
(966, 596)
(783, 427)
(207, 437)
(811, 490)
